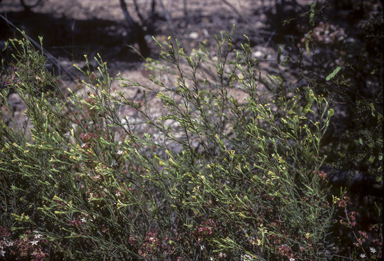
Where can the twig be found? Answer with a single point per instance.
(138, 12)
(168, 18)
(152, 17)
(234, 9)
(127, 16)
(185, 8)
(136, 30)
(270, 38)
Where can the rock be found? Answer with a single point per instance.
(193, 35)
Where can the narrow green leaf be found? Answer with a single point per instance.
(333, 73)
(307, 41)
(312, 14)
(18, 228)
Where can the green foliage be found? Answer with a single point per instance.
(96, 186)
(347, 71)
(356, 88)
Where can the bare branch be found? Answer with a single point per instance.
(127, 16)
(234, 9)
(136, 30)
(168, 18)
(138, 11)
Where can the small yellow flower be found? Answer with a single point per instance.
(335, 200)
(119, 204)
(174, 163)
(307, 235)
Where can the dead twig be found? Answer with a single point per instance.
(168, 18)
(127, 16)
(235, 10)
(138, 11)
(136, 30)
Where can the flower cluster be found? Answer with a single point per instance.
(285, 250)
(207, 229)
(77, 222)
(88, 136)
(363, 236)
(323, 175)
(151, 244)
(328, 34)
(29, 245)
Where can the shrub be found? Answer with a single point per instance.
(89, 185)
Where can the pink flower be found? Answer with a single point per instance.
(342, 203)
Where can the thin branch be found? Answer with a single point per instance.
(269, 39)
(138, 11)
(185, 8)
(152, 16)
(136, 30)
(127, 16)
(168, 18)
(234, 9)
